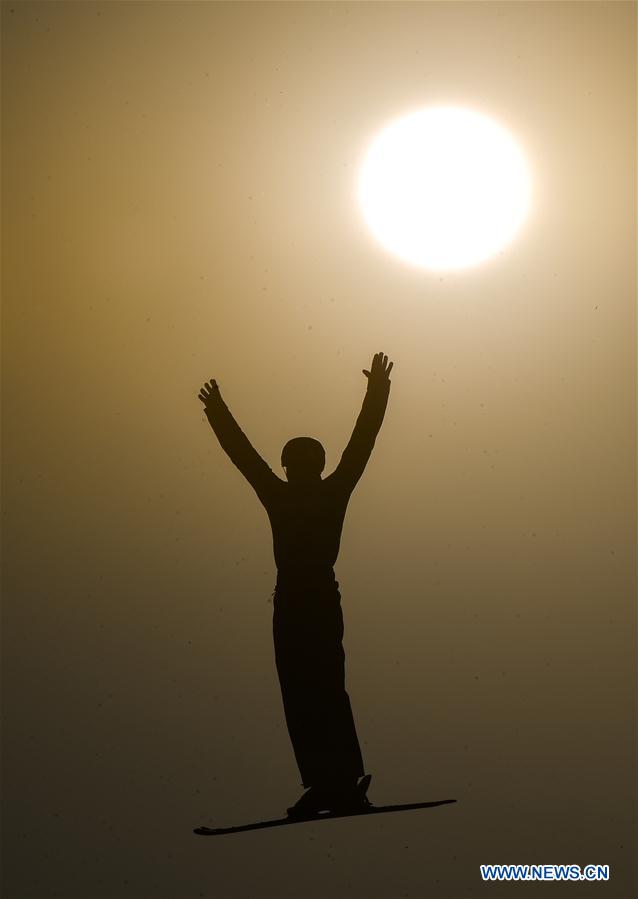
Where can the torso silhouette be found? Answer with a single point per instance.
(306, 520)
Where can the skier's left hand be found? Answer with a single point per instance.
(379, 373)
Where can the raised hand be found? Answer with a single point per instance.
(380, 369)
(209, 392)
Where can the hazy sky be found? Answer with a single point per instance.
(179, 204)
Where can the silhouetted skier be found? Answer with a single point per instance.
(306, 513)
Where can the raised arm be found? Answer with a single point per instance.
(233, 440)
(356, 454)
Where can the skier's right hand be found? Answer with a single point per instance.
(209, 393)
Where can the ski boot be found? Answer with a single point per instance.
(344, 798)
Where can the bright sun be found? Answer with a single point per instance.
(444, 188)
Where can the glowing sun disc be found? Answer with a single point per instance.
(444, 187)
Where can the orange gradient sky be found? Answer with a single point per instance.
(179, 204)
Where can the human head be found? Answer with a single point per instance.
(303, 458)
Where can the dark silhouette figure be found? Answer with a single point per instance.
(306, 513)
